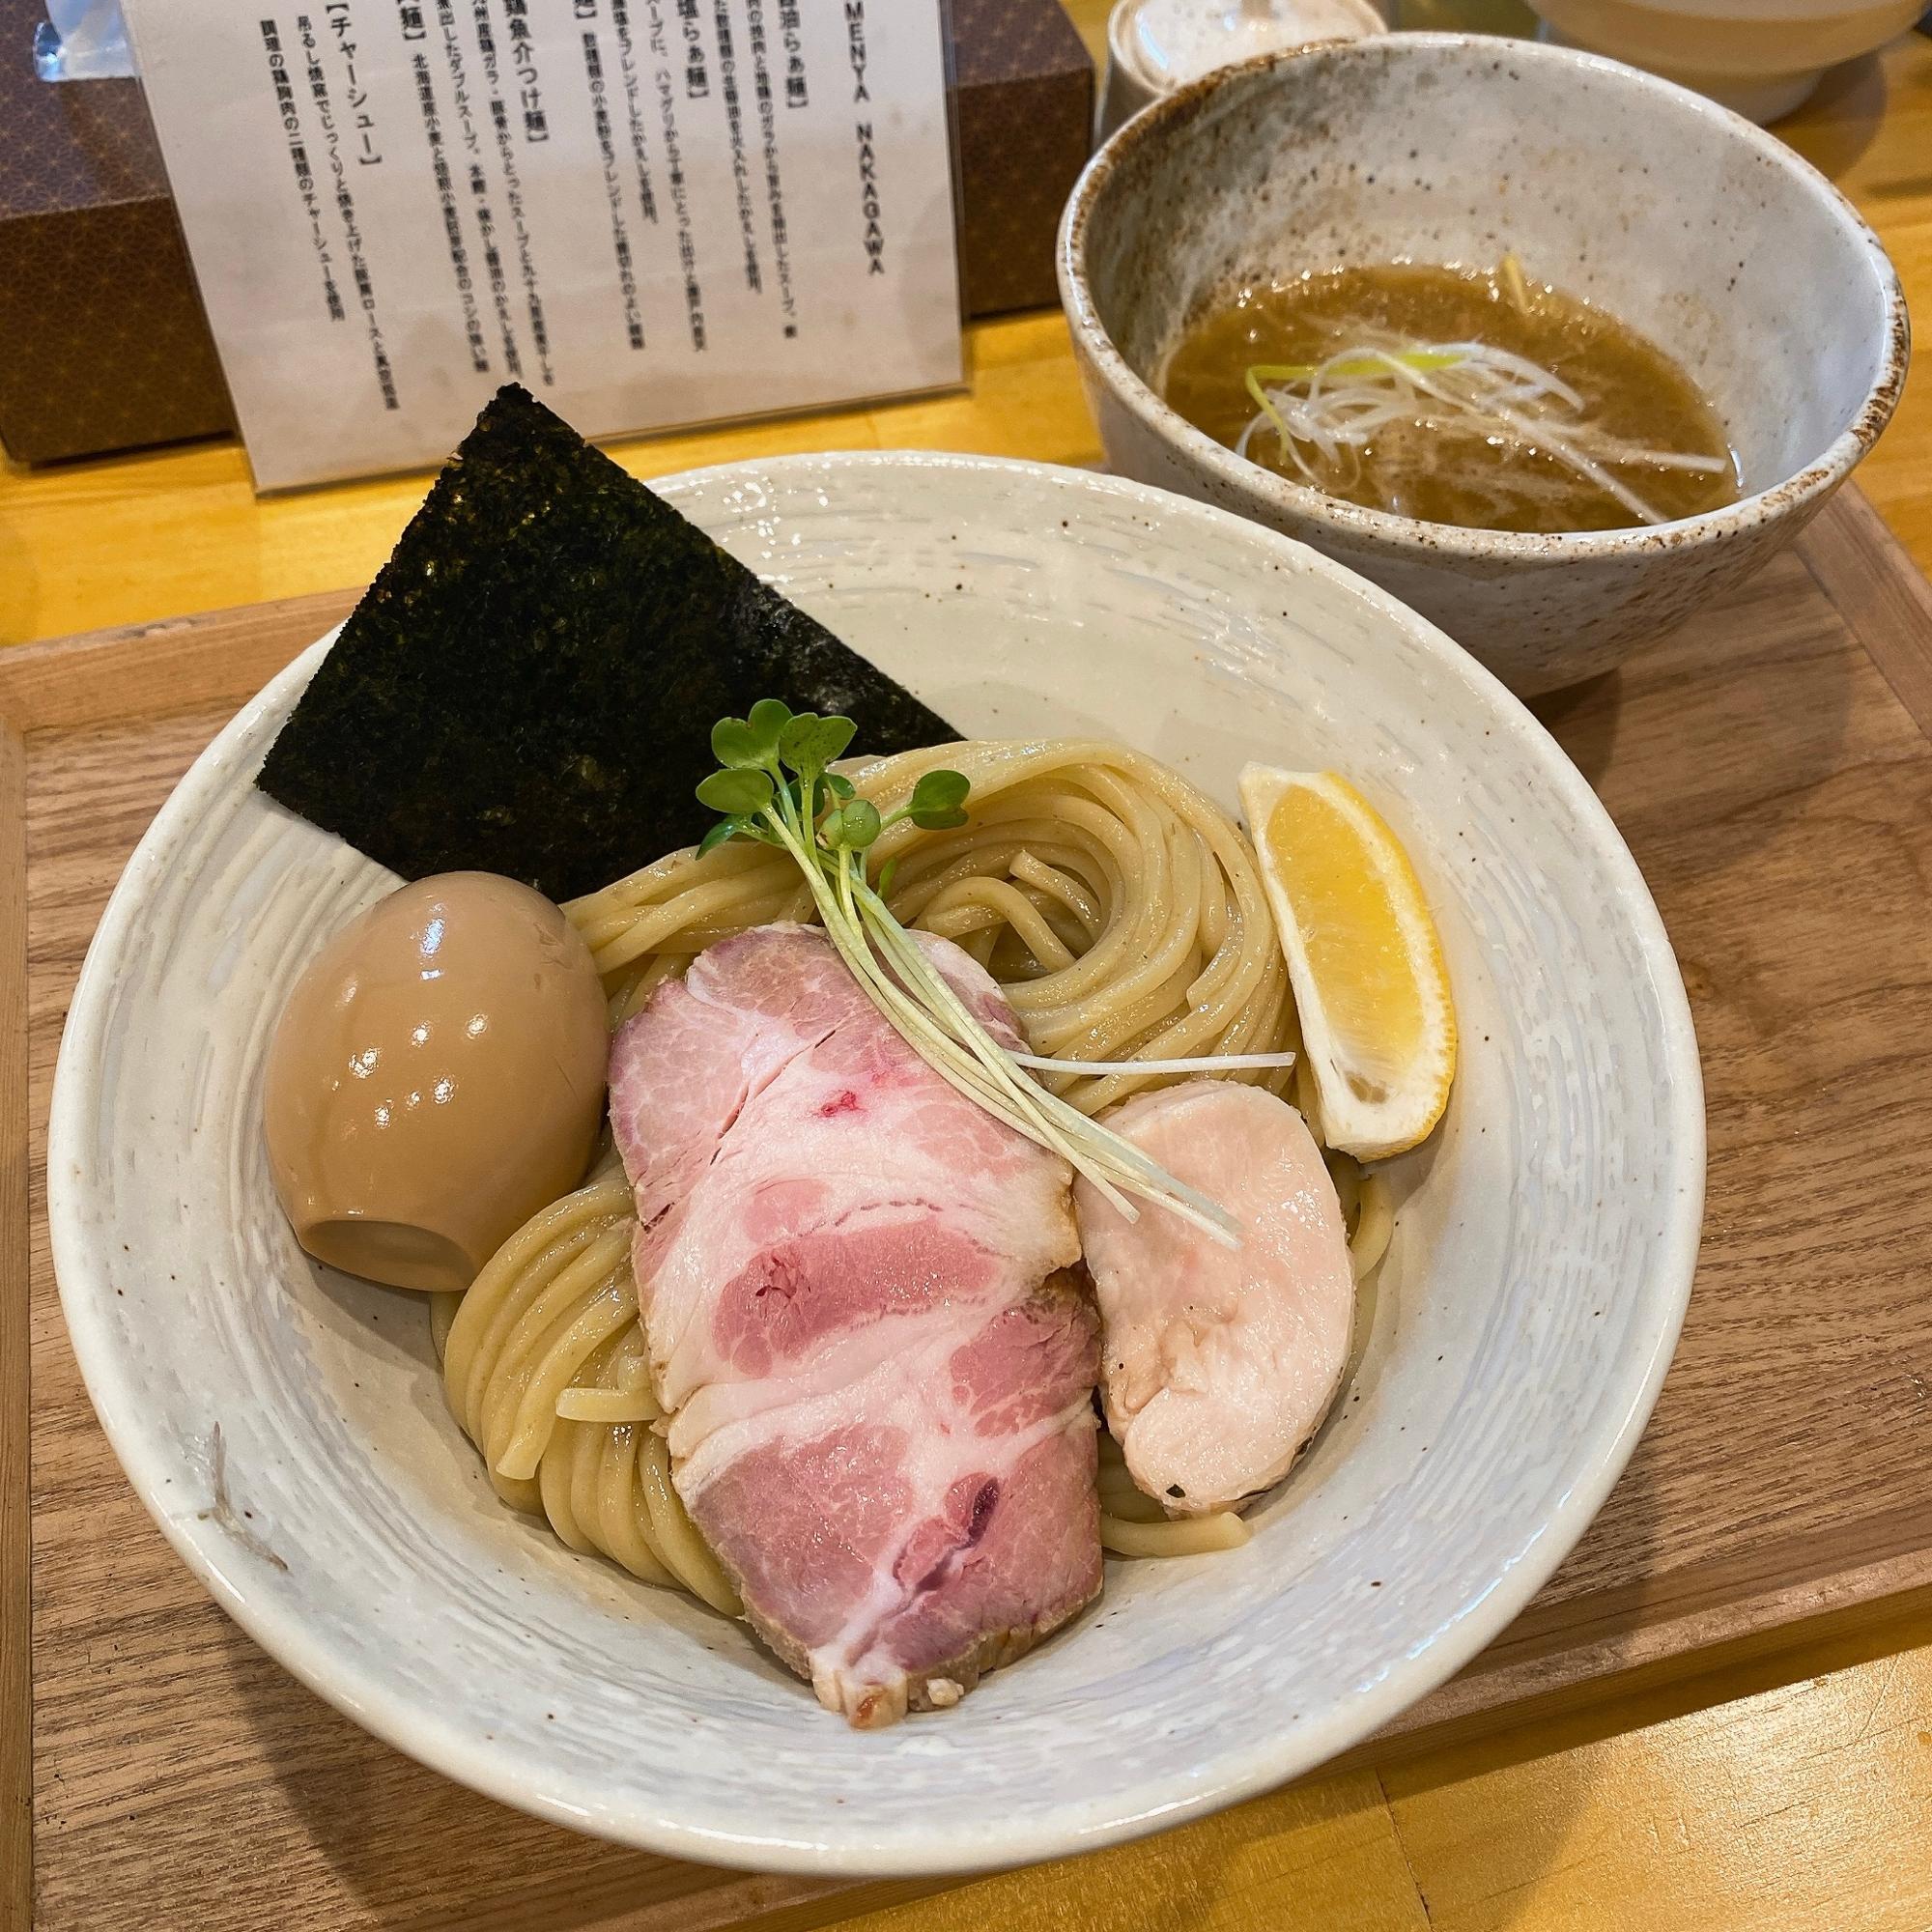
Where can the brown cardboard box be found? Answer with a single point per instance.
(102, 341)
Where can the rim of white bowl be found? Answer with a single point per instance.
(845, 1847)
(1816, 479)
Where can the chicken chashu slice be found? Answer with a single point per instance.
(877, 1380)
(1217, 1364)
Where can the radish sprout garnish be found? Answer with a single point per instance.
(777, 786)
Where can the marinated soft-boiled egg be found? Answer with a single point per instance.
(436, 1077)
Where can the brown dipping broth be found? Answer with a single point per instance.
(1446, 474)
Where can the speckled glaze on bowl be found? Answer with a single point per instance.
(1509, 1358)
(1703, 232)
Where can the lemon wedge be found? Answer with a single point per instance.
(1378, 1025)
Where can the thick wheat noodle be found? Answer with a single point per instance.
(674, 1533)
(520, 1337)
(555, 1315)
(1175, 953)
(561, 1348)
(1124, 914)
(624, 1520)
(1375, 1223)
(662, 879)
(1197, 1536)
(1056, 882)
(640, 985)
(998, 902)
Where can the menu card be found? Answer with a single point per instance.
(647, 212)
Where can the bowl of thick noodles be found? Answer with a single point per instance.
(289, 1429)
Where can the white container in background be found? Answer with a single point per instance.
(1760, 57)
(1154, 47)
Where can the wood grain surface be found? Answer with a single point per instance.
(1782, 1797)
(1775, 790)
(17, 1793)
(1789, 1791)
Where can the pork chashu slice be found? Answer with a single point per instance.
(876, 1379)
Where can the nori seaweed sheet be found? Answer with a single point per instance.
(529, 685)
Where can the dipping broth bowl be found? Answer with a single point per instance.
(1673, 215)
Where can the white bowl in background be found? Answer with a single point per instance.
(1155, 45)
(1701, 231)
(1761, 57)
(1508, 1359)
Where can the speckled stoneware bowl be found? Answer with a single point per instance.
(1508, 1359)
(1703, 232)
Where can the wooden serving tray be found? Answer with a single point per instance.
(1772, 767)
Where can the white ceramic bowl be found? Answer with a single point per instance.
(1761, 57)
(1700, 230)
(1522, 1324)
(1198, 35)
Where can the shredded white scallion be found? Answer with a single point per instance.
(1206, 1063)
(1471, 388)
(902, 982)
